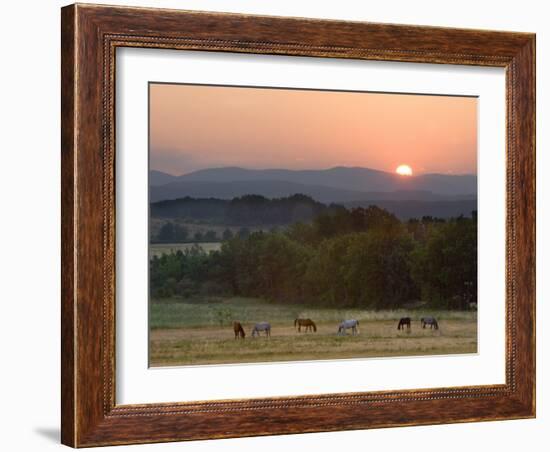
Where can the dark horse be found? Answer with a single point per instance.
(238, 329)
(429, 321)
(404, 322)
(308, 323)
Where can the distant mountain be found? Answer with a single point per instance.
(160, 178)
(332, 185)
(279, 189)
(346, 178)
(342, 178)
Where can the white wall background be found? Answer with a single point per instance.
(30, 230)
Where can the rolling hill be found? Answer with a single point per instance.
(279, 189)
(438, 195)
(160, 178)
(339, 184)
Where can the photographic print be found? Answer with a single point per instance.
(301, 224)
(303, 252)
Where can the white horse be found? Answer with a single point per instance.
(262, 326)
(348, 324)
(431, 321)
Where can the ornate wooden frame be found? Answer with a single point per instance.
(90, 35)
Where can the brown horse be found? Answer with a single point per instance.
(238, 329)
(404, 322)
(307, 323)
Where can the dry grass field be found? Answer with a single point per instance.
(201, 333)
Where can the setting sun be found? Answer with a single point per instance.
(404, 170)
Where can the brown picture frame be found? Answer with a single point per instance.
(90, 35)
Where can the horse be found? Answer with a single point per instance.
(348, 324)
(262, 326)
(308, 323)
(239, 330)
(429, 321)
(404, 322)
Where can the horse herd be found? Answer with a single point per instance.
(405, 322)
(309, 325)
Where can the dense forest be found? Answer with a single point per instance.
(171, 232)
(244, 210)
(360, 257)
(259, 210)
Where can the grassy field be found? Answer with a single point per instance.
(156, 249)
(197, 226)
(187, 333)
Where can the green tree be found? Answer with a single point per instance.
(365, 269)
(180, 233)
(243, 233)
(166, 233)
(210, 236)
(361, 257)
(304, 233)
(445, 267)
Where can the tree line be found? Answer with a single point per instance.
(171, 232)
(248, 210)
(363, 257)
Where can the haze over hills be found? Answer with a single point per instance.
(251, 209)
(413, 196)
(160, 178)
(339, 184)
(280, 189)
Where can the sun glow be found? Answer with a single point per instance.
(404, 170)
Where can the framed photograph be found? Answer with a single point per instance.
(282, 225)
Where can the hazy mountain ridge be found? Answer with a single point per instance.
(160, 178)
(339, 184)
(278, 189)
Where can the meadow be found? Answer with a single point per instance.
(199, 331)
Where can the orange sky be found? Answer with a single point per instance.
(195, 127)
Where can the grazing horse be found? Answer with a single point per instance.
(348, 324)
(239, 330)
(308, 323)
(262, 326)
(404, 322)
(429, 321)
